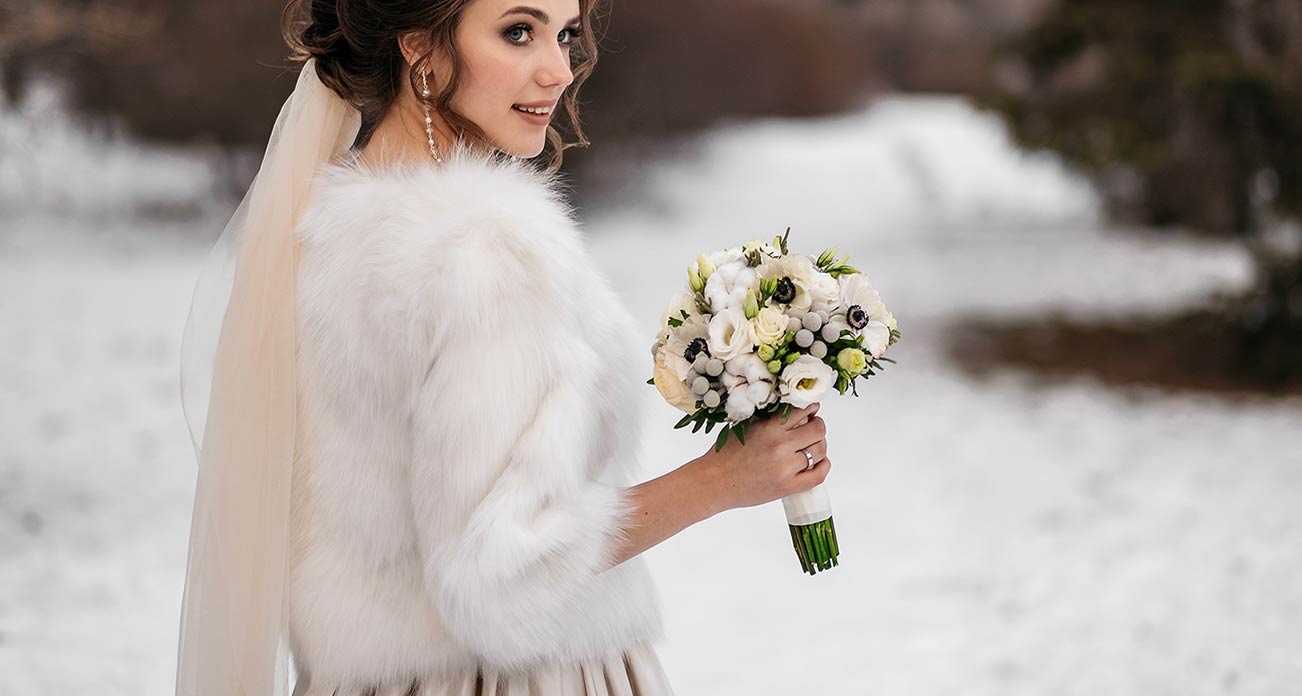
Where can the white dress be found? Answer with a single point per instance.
(633, 672)
(470, 386)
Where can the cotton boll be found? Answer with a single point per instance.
(739, 406)
(728, 285)
(731, 381)
(760, 393)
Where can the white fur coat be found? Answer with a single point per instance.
(468, 425)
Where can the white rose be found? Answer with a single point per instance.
(824, 292)
(770, 326)
(731, 334)
(802, 382)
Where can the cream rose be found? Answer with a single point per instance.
(770, 326)
(674, 390)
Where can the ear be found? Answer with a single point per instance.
(412, 44)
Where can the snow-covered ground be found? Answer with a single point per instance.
(1002, 536)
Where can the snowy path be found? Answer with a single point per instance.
(999, 537)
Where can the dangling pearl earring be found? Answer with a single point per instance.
(429, 122)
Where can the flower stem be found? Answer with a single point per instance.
(816, 546)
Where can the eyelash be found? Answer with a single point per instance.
(575, 33)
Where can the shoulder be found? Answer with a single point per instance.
(467, 236)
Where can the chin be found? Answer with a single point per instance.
(523, 147)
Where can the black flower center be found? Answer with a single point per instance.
(786, 292)
(856, 317)
(695, 348)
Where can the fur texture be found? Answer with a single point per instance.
(468, 425)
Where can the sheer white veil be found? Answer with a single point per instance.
(238, 393)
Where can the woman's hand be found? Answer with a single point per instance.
(769, 466)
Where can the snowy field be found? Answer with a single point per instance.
(999, 537)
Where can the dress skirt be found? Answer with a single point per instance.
(634, 672)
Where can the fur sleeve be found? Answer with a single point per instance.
(512, 523)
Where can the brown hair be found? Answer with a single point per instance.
(355, 44)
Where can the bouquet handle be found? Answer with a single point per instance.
(809, 517)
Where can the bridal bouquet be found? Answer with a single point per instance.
(760, 331)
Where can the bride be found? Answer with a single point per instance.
(414, 396)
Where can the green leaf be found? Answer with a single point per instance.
(721, 440)
(651, 381)
(686, 419)
(741, 433)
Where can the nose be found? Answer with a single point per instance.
(555, 67)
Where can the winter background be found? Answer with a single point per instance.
(1000, 535)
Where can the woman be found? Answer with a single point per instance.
(417, 450)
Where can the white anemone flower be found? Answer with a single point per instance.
(865, 313)
(684, 300)
(800, 269)
(694, 327)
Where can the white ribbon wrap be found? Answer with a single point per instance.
(807, 507)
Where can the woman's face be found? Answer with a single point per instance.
(516, 53)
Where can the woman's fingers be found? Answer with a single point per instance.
(812, 431)
(800, 416)
(818, 450)
(818, 473)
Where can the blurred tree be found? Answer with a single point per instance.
(1187, 113)
(216, 72)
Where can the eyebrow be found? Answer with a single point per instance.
(535, 13)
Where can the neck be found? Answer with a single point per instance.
(400, 137)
